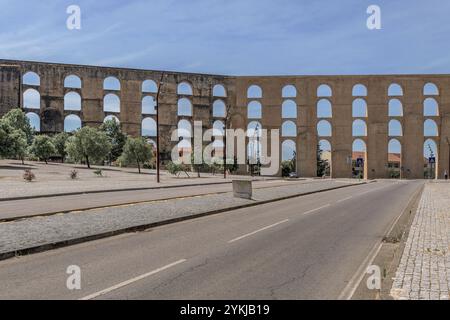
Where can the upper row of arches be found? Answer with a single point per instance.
(113, 84)
(324, 90)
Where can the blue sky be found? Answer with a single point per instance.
(236, 37)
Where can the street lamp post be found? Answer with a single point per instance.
(161, 83)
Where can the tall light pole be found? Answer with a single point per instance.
(161, 83)
(448, 143)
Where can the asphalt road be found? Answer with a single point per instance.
(40, 206)
(303, 248)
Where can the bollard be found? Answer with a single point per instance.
(242, 189)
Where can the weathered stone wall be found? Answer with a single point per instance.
(52, 111)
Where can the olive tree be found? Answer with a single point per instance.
(136, 151)
(59, 141)
(42, 147)
(88, 144)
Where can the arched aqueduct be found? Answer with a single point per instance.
(370, 112)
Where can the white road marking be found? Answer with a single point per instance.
(317, 209)
(125, 283)
(354, 282)
(259, 230)
(345, 199)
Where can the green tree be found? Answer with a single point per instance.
(116, 137)
(42, 147)
(19, 145)
(59, 141)
(13, 142)
(88, 144)
(136, 151)
(17, 119)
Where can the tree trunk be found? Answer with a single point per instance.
(87, 162)
(139, 167)
(23, 162)
(45, 160)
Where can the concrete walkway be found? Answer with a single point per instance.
(26, 208)
(54, 179)
(424, 270)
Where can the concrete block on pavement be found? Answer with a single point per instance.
(242, 189)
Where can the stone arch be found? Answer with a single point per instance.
(324, 109)
(111, 103)
(111, 83)
(395, 128)
(324, 167)
(254, 129)
(288, 150)
(149, 86)
(72, 81)
(254, 110)
(395, 90)
(430, 107)
(31, 79)
(324, 90)
(34, 120)
(359, 159)
(111, 117)
(289, 91)
(430, 89)
(430, 128)
(395, 108)
(72, 123)
(148, 127)
(148, 105)
(359, 128)
(359, 90)
(72, 101)
(219, 91)
(254, 92)
(218, 128)
(289, 109)
(184, 107)
(184, 129)
(359, 108)
(324, 128)
(219, 109)
(289, 129)
(32, 99)
(430, 150)
(184, 88)
(394, 165)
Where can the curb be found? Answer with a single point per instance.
(408, 213)
(109, 190)
(52, 213)
(70, 242)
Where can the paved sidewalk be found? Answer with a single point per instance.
(424, 270)
(53, 179)
(39, 231)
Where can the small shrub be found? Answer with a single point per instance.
(287, 167)
(73, 174)
(28, 175)
(175, 168)
(98, 173)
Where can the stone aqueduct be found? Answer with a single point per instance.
(267, 96)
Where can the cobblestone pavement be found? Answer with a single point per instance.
(424, 270)
(37, 231)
